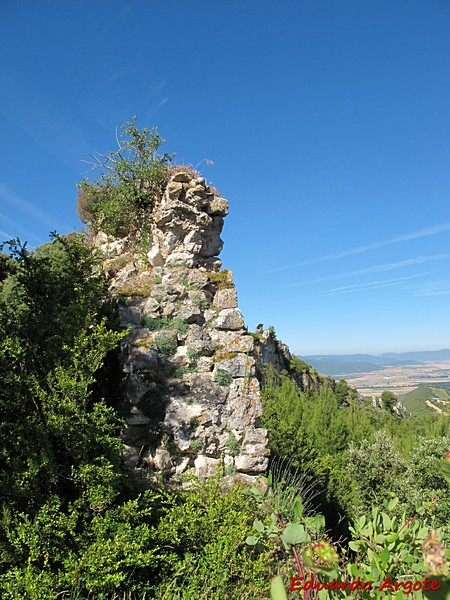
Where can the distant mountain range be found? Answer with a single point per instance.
(346, 364)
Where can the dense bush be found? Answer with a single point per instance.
(333, 438)
(132, 178)
(72, 521)
(222, 377)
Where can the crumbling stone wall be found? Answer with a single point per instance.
(190, 395)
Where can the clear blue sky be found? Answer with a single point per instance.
(328, 123)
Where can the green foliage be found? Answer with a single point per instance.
(387, 544)
(277, 591)
(285, 415)
(207, 557)
(291, 494)
(297, 365)
(193, 423)
(158, 323)
(344, 393)
(202, 304)
(232, 444)
(166, 345)
(196, 444)
(297, 535)
(179, 325)
(416, 401)
(189, 286)
(222, 377)
(331, 435)
(379, 471)
(424, 467)
(54, 342)
(388, 400)
(132, 177)
(192, 355)
(222, 279)
(272, 332)
(180, 371)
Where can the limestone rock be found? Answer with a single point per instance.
(251, 464)
(238, 366)
(226, 298)
(185, 326)
(230, 318)
(205, 466)
(218, 206)
(230, 341)
(130, 456)
(182, 177)
(155, 258)
(162, 460)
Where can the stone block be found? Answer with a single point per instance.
(230, 318)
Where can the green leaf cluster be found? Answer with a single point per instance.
(223, 378)
(132, 178)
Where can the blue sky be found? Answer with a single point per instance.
(328, 124)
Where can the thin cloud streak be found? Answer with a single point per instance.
(17, 226)
(438, 288)
(28, 208)
(363, 287)
(428, 231)
(376, 269)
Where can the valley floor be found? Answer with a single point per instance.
(400, 380)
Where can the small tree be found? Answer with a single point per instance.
(388, 400)
(132, 177)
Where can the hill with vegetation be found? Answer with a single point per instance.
(347, 364)
(427, 399)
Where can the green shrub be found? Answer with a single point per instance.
(179, 325)
(158, 323)
(193, 423)
(202, 304)
(232, 445)
(180, 371)
(296, 365)
(152, 323)
(222, 377)
(190, 287)
(166, 345)
(178, 265)
(208, 558)
(223, 279)
(196, 444)
(132, 177)
(379, 472)
(192, 355)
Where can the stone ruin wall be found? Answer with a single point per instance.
(188, 386)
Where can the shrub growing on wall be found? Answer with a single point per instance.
(132, 177)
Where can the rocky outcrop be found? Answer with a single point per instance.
(189, 390)
(271, 353)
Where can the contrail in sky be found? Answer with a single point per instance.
(360, 249)
(363, 287)
(29, 208)
(376, 269)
